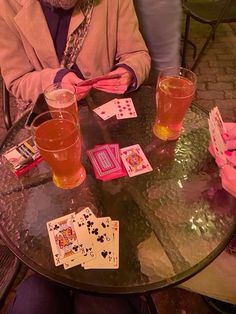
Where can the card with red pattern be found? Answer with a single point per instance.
(106, 162)
(134, 160)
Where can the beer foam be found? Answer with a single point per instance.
(60, 98)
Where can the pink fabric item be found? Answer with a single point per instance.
(227, 170)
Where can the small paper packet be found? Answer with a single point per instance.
(22, 157)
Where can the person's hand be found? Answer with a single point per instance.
(72, 79)
(116, 85)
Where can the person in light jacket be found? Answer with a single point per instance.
(47, 41)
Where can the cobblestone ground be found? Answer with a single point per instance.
(217, 70)
(216, 86)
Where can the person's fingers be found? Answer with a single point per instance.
(82, 91)
(117, 86)
(81, 95)
(123, 80)
(103, 83)
(118, 90)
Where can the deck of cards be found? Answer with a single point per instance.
(106, 162)
(121, 108)
(86, 240)
(110, 162)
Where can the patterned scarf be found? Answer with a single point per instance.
(76, 39)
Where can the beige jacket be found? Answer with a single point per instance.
(28, 60)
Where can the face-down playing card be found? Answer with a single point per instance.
(64, 240)
(103, 160)
(115, 149)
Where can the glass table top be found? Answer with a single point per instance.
(173, 221)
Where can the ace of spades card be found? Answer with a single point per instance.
(99, 229)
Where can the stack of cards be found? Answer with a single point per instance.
(83, 239)
(106, 162)
(121, 108)
(109, 162)
(218, 134)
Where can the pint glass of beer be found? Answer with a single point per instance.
(174, 93)
(57, 136)
(62, 96)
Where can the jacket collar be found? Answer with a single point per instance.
(32, 23)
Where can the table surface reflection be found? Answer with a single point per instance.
(173, 221)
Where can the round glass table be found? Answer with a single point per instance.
(173, 221)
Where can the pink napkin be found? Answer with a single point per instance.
(228, 169)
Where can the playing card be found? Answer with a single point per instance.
(114, 148)
(85, 242)
(125, 108)
(103, 160)
(99, 229)
(218, 143)
(63, 237)
(117, 174)
(217, 122)
(106, 110)
(108, 257)
(97, 79)
(134, 160)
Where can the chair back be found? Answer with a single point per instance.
(6, 106)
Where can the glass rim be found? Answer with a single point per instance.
(49, 89)
(175, 67)
(194, 82)
(74, 121)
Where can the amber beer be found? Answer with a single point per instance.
(61, 96)
(57, 137)
(174, 94)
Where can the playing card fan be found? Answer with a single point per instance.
(223, 148)
(86, 240)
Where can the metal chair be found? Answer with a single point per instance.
(6, 106)
(9, 264)
(208, 12)
(9, 267)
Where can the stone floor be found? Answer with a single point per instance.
(216, 86)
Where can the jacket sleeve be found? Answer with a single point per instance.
(20, 77)
(131, 49)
